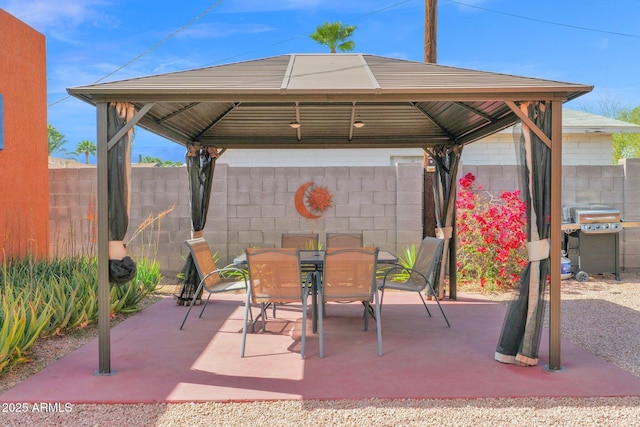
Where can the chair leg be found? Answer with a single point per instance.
(435, 297)
(320, 316)
(379, 324)
(303, 340)
(365, 315)
(204, 305)
(247, 309)
(424, 303)
(195, 296)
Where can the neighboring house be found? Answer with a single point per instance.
(586, 141)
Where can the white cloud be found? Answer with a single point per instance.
(44, 15)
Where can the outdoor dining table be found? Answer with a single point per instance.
(316, 260)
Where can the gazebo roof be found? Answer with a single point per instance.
(401, 103)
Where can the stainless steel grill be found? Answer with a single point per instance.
(592, 240)
(596, 219)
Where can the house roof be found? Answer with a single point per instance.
(401, 103)
(582, 122)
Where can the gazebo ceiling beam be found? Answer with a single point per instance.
(214, 122)
(165, 130)
(483, 131)
(442, 128)
(417, 141)
(177, 112)
(474, 111)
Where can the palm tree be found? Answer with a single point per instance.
(86, 147)
(334, 35)
(56, 140)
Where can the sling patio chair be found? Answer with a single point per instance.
(344, 240)
(304, 242)
(308, 241)
(424, 274)
(350, 275)
(212, 279)
(275, 277)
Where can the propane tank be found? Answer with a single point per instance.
(565, 266)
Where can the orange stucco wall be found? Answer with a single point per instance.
(24, 186)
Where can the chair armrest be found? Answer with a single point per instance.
(229, 268)
(397, 267)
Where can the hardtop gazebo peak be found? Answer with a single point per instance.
(403, 104)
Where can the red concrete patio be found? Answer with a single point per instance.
(423, 359)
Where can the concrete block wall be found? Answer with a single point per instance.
(248, 207)
(254, 206)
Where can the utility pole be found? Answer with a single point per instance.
(429, 210)
(430, 30)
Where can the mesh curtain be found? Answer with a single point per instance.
(519, 341)
(121, 268)
(200, 166)
(447, 160)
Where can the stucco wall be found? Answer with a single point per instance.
(24, 202)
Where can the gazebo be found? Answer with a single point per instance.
(344, 101)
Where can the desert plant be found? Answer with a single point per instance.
(406, 259)
(45, 297)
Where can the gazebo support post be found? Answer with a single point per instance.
(104, 291)
(556, 237)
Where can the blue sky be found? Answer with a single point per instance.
(590, 42)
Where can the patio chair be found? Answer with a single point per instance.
(212, 279)
(304, 242)
(344, 240)
(307, 242)
(350, 275)
(274, 277)
(424, 274)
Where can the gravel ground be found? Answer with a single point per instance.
(601, 315)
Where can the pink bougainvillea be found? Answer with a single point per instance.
(491, 236)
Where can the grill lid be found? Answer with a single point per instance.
(581, 215)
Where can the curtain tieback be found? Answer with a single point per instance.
(444, 233)
(117, 249)
(197, 234)
(538, 250)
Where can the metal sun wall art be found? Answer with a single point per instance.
(312, 199)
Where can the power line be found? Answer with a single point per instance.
(152, 48)
(559, 24)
